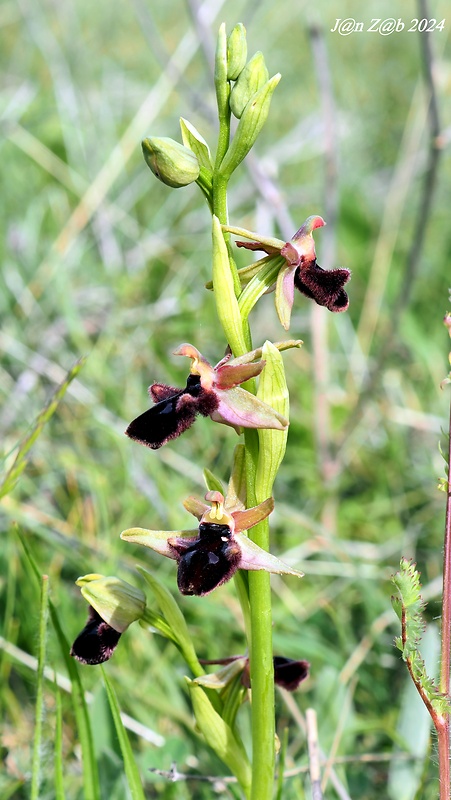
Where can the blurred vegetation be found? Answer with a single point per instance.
(99, 259)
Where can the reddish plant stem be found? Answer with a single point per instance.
(443, 732)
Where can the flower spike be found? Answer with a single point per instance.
(210, 391)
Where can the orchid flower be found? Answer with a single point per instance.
(210, 556)
(209, 391)
(298, 268)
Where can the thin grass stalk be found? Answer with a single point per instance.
(37, 741)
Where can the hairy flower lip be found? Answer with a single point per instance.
(210, 391)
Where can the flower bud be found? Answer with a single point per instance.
(250, 80)
(251, 122)
(236, 52)
(117, 602)
(171, 162)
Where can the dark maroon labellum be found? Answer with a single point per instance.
(173, 414)
(325, 286)
(209, 561)
(289, 673)
(97, 641)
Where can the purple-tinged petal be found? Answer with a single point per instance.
(308, 227)
(229, 376)
(254, 558)
(288, 673)
(268, 249)
(240, 408)
(158, 540)
(266, 243)
(97, 641)
(285, 295)
(252, 516)
(291, 255)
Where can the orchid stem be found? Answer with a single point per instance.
(256, 605)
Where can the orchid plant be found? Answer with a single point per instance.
(247, 391)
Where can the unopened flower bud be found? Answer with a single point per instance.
(250, 80)
(171, 162)
(117, 602)
(236, 52)
(252, 120)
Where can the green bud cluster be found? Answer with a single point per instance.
(244, 89)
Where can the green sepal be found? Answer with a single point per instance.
(236, 490)
(236, 52)
(175, 620)
(287, 344)
(219, 736)
(251, 122)
(273, 390)
(192, 138)
(267, 241)
(220, 679)
(212, 482)
(265, 278)
(116, 601)
(226, 301)
(250, 80)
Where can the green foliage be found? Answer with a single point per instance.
(123, 281)
(409, 607)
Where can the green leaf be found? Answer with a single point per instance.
(273, 390)
(212, 483)
(130, 765)
(20, 462)
(175, 620)
(219, 736)
(226, 301)
(37, 741)
(91, 785)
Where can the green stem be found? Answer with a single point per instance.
(257, 610)
(37, 743)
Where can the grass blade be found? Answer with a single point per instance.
(37, 743)
(130, 766)
(91, 783)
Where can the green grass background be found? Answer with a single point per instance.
(99, 259)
